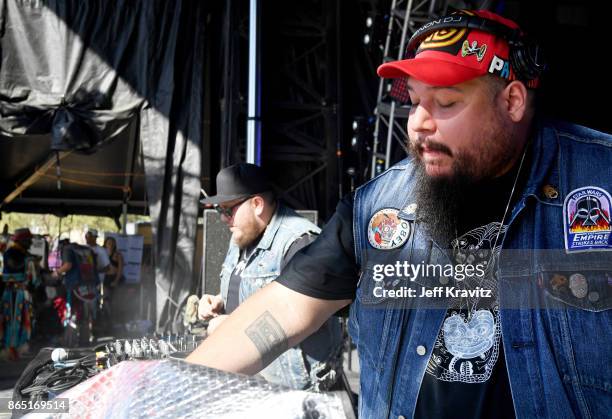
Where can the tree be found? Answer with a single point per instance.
(53, 226)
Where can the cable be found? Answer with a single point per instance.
(104, 174)
(52, 378)
(94, 184)
(49, 379)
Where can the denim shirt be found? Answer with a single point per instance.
(312, 364)
(557, 346)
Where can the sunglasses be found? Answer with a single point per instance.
(229, 212)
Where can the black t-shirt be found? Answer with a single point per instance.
(466, 376)
(327, 269)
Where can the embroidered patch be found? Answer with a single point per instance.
(586, 219)
(386, 230)
(474, 49)
(500, 67)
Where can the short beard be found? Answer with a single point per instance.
(245, 241)
(249, 237)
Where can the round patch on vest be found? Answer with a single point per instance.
(386, 230)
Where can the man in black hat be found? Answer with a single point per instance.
(265, 235)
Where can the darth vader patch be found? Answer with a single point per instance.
(586, 220)
(386, 230)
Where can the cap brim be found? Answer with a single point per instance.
(219, 199)
(429, 70)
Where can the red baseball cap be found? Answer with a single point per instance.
(453, 55)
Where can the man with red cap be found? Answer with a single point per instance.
(478, 269)
(17, 253)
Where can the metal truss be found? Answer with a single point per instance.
(391, 115)
(301, 119)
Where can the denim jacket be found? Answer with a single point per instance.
(312, 364)
(557, 344)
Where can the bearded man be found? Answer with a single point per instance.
(265, 236)
(493, 198)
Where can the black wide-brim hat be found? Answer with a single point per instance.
(239, 181)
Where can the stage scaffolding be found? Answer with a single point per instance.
(391, 111)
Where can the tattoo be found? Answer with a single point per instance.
(268, 336)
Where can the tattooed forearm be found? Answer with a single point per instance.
(268, 336)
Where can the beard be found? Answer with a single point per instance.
(247, 235)
(438, 203)
(245, 239)
(492, 149)
(441, 199)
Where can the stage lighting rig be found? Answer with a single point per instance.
(374, 36)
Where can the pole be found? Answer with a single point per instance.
(254, 106)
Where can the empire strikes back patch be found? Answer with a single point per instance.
(586, 219)
(386, 230)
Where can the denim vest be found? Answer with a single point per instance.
(557, 346)
(312, 364)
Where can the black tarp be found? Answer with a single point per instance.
(91, 75)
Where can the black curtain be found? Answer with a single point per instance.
(76, 73)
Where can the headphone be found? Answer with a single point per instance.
(525, 56)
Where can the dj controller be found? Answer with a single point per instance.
(147, 377)
(57, 369)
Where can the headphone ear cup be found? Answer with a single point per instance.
(527, 60)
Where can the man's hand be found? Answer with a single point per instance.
(59, 272)
(216, 322)
(210, 306)
(265, 325)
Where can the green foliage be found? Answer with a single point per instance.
(54, 226)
